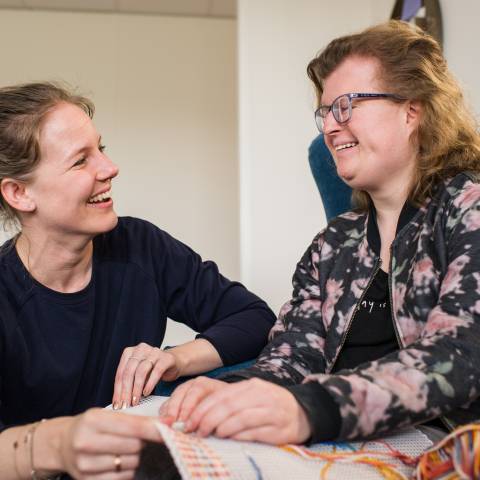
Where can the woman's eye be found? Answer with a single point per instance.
(79, 162)
(102, 147)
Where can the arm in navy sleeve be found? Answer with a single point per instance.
(225, 313)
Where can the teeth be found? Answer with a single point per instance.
(100, 197)
(345, 145)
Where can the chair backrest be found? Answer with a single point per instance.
(335, 193)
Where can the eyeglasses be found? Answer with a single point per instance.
(341, 107)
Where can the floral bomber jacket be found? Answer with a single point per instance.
(434, 286)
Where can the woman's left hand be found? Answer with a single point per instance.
(251, 410)
(140, 369)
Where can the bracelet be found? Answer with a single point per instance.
(29, 439)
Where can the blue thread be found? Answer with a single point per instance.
(255, 467)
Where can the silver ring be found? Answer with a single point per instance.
(118, 463)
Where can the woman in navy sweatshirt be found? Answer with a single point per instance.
(85, 296)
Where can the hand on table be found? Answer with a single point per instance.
(251, 410)
(100, 444)
(140, 369)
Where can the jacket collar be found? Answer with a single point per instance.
(373, 235)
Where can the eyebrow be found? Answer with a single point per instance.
(83, 149)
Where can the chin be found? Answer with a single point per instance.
(106, 224)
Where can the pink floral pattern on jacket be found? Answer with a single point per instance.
(434, 285)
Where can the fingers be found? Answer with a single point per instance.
(139, 370)
(158, 368)
(252, 409)
(101, 444)
(228, 423)
(264, 434)
(221, 405)
(148, 371)
(129, 430)
(102, 463)
(188, 396)
(123, 475)
(122, 389)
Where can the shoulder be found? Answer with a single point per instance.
(456, 203)
(137, 240)
(345, 228)
(455, 195)
(464, 190)
(15, 284)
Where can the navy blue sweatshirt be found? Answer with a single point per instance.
(59, 352)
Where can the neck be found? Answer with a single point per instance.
(61, 264)
(389, 203)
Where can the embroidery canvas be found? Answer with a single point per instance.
(392, 458)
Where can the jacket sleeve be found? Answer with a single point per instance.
(225, 313)
(297, 339)
(296, 347)
(439, 368)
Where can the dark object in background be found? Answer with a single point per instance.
(430, 19)
(156, 463)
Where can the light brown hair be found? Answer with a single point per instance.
(22, 111)
(413, 67)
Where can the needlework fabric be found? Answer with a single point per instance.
(393, 457)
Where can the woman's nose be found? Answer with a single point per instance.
(107, 169)
(330, 124)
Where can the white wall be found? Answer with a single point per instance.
(280, 206)
(165, 92)
(460, 31)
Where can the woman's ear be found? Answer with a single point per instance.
(15, 194)
(414, 113)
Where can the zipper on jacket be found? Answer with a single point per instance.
(392, 313)
(345, 333)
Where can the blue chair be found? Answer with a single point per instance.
(334, 192)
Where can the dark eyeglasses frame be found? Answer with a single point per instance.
(323, 110)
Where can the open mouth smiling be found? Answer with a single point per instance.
(344, 146)
(101, 197)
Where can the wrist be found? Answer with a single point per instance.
(47, 446)
(181, 360)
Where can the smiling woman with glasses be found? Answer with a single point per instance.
(383, 327)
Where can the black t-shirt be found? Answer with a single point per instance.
(59, 352)
(371, 335)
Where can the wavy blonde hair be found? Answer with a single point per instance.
(413, 67)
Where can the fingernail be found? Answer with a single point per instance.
(114, 406)
(179, 426)
(134, 400)
(124, 405)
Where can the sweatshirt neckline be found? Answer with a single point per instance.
(32, 284)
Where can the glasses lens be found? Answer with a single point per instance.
(342, 109)
(319, 119)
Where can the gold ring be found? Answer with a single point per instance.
(118, 463)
